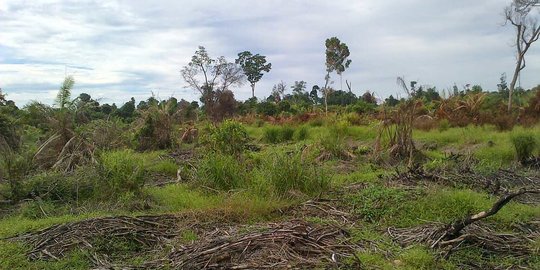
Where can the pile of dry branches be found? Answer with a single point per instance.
(328, 209)
(54, 242)
(294, 244)
(495, 183)
(468, 232)
(516, 243)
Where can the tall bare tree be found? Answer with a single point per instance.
(523, 16)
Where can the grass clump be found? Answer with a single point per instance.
(418, 258)
(222, 172)
(525, 144)
(122, 171)
(301, 133)
(275, 134)
(286, 173)
(180, 197)
(229, 138)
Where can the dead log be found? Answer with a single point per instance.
(454, 230)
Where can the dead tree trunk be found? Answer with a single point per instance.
(454, 230)
(527, 32)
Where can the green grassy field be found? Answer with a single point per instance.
(286, 170)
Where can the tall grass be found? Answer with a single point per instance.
(289, 173)
(122, 171)
(222, 172)
(525, 144)
(278, 134)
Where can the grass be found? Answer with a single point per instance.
(254, 186)
(222, 172)
(13, 256)
(284, 174)
(179, 197)
(397, 207)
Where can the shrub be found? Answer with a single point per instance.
(317, 122)
(54, 186)
(504, 122)
(354, 119)
(154, 128)
(444, 125)
(362, 106)
(106, 134)
(524, 144)
(289, 172)
(122, 171)
(229, 138)
(221, 172)
(13, 169)
(267, 108)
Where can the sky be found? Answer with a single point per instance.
(118, 49)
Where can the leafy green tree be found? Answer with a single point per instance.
(391, 101)
(207, 75)
(314, 94)
(253, 67)
(127, 110)
(299, 88)
(337, 54)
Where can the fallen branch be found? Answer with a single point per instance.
(454, 230)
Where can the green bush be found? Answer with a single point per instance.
(122, 171)
(55, 186)
(525, 145)
(289, 172)
(13, 169)
(221, 172)
(361, 107)
(229, 138)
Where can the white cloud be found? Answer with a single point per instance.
(119, 49)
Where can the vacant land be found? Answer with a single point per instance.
(300, 195)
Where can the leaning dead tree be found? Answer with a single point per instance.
(453, 232)
(523, 15)
(468, 231)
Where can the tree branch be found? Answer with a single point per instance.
(454, 229)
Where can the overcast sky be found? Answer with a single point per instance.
(131, 48)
